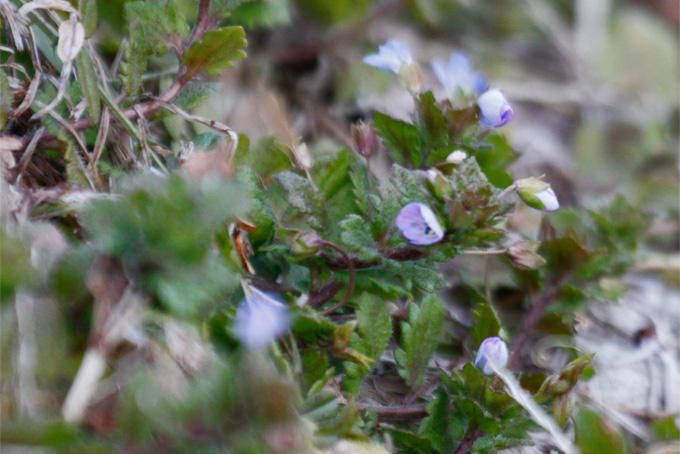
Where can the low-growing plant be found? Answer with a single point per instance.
(223, 295)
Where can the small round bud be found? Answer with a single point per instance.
(537, 194)
(523, 255)
(457, 157)
(492, 349)
(365, 139)
(494, 109)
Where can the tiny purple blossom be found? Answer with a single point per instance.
(495, 109)
(260, 318)
(392, 57)
(458, 74)
(492, 349)
(419, 225)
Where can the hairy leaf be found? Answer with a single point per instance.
(420, 337)
(216, 50)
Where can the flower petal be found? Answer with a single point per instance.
(419, 225)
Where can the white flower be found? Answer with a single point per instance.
(537, 194)
(456, 157)
(492, 349)
(260, 318)
(393, 56)
(431, 175)
(457, 74)
(549, 199)
(494, 108)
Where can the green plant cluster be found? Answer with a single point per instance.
(374, 356)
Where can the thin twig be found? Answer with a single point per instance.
(468, 441)
(396, 412)
(350, 268)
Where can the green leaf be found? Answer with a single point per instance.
(435, 427)
(411, 443)
(88, 84)
(485, 323)
(88, 15)
(217, 50)
(594, 435)
(666, 429)
(434, 126)
(375, 325)
(356, 235)
(76, 172)
(420, 337)
(401, 138)
(153, 27)
(494, 158)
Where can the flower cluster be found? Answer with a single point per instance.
(456, 75)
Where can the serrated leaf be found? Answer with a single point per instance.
(217, 50)
(485, 323)
(88, 84)
(420, 337)
(359, 176)
(402, 139)
(76, 172)
(153, 26)
(88, 15)
(356, 235)
(375, 325)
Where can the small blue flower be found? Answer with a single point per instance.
(260, 318)
(393, 56)
(458, 75)
(419, 225)
(492, 349)
(495, 109)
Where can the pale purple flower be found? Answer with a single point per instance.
(457, 74)
(495, 109)
(260, 318)
(392, 57)
(419, 225)
(492, 349)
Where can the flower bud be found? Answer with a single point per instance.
(494, 109)
(419, 225)
(303, 157)
(411, 76)
(306, 243)
(457, 157)
(492, 349)
(438, 184)
(365, 139)
(71, 38)
(523, 255)
(537, 194)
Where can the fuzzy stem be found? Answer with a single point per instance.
(85, 384)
